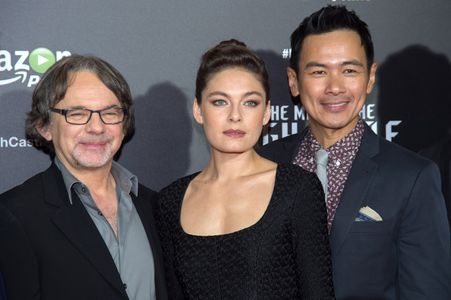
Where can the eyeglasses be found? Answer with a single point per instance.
(81, 116)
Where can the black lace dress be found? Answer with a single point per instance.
(285, 255)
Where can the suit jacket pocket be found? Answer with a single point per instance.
(366, 262)
(380, 227)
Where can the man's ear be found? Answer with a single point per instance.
(293, 82)
(197, 113)
(44, 131)
(267, 115)
(371, 78)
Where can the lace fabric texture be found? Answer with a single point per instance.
(285, 255)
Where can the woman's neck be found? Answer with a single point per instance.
(230, 166)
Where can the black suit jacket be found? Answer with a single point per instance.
(52, 250)
(440, 153)
(407, 255)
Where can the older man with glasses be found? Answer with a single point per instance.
(82, 229)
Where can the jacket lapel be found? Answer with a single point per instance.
(361, 176)
(145, 211)
(143, 207)
(78, 227)
(290, 147)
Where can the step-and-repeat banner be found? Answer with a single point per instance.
(157, 45)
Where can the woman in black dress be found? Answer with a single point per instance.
(244, 227)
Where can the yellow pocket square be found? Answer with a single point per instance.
(367, 214)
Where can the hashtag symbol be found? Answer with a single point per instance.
(286, 53)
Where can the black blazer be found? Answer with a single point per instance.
(52, 250)
(440, 153)
(405, 256)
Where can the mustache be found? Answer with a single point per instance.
(96, 139)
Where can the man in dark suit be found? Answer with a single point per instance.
(386, 215)
(82, 229)
(440, 153)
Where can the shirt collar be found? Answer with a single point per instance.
(343, 144)
(125, 180)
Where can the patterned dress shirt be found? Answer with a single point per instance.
(341, 157)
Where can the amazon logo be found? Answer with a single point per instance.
(16, 66)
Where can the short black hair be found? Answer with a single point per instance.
(328, 19)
